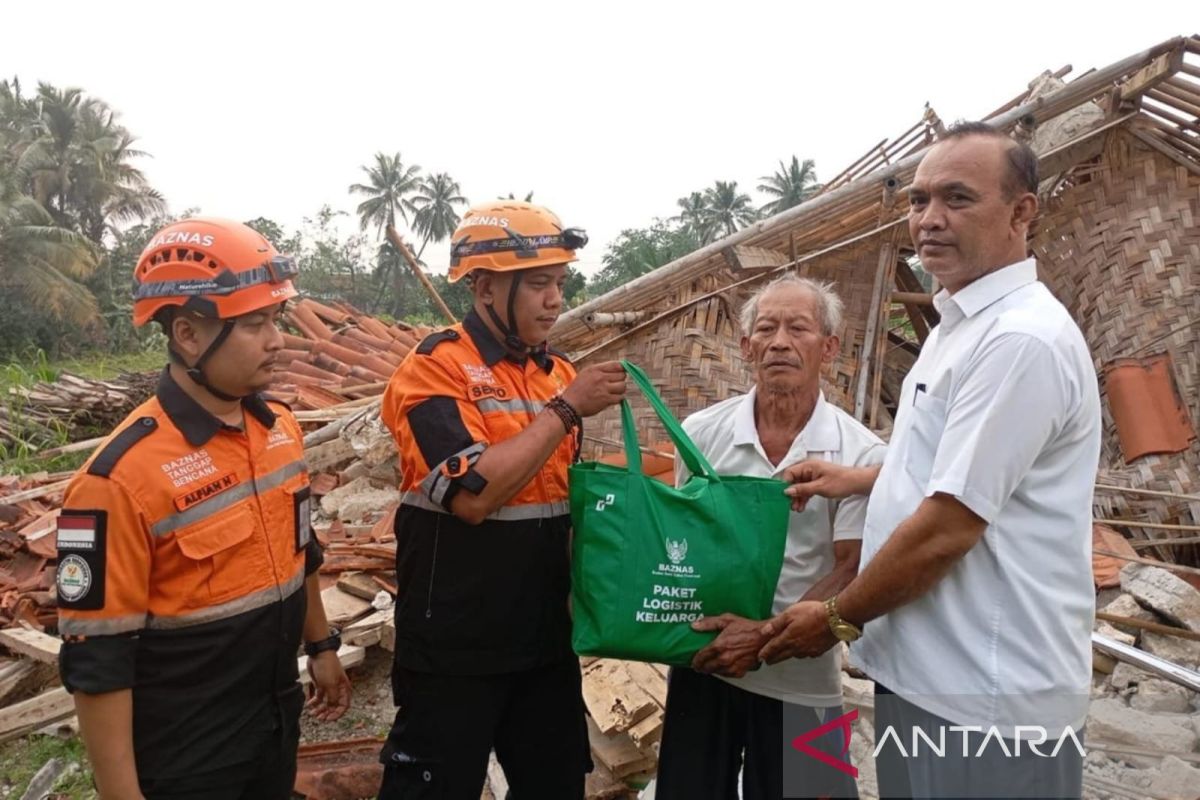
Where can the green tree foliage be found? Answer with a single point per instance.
(640, 250)
(789, 186)
(389, 183)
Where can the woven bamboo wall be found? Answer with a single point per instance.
(694, 358)
(1122, 252)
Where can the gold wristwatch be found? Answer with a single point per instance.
(843, 630)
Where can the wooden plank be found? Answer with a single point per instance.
(29, 715)
(387, 636)
(612, 697)
(1152, 74)
(34, 493)
(648, 678)
(14, 675)
(912, 298)
(647, 733)
(34, 644)
(871, 355)
(617, 753)
(745, 258)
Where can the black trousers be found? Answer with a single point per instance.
(447, 726)
(713, 730)
(991, 768)
(270, 775)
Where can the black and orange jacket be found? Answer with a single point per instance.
(183, 546)
(488, 598)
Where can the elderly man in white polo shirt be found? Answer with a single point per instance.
(975, 596)
(726, 712)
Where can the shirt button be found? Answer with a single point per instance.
(427, 775)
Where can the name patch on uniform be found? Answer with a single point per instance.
(81, 555)
(479, 391)
(189, 499)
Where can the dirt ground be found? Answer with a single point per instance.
(371, 710)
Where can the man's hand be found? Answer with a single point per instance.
(735, 650)
(814, 477)
(802, 631)
(596, 388)
(330, 692)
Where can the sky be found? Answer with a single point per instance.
(608, 112)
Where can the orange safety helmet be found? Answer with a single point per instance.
(216, 267)
(508, 235)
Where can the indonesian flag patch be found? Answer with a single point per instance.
(81, 557)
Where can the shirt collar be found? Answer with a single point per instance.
(982, 292)
(494, 351)
(196, 424)
(820, 434)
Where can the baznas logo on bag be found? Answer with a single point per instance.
(677, 551)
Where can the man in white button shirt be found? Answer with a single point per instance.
(975, 596)
(721, 714)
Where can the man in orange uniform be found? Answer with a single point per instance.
(487, 419)
(186, 560)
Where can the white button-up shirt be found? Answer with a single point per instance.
(1002, 411)
(728, 436)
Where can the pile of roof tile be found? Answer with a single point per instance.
(338, 353)
(28, 510)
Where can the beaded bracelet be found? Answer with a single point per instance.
(566, 413)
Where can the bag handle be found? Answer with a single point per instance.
(696, 463)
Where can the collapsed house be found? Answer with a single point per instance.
(1118, 242)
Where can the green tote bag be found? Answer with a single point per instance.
(649, 559)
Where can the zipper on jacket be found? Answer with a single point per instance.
(437, 530)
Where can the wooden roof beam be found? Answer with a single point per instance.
(1154, 73)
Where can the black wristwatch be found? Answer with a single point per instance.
(332, 642)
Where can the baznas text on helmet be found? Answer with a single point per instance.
(183, 237)
(497, 222)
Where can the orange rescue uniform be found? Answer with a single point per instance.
(488, 598)
(183, 549)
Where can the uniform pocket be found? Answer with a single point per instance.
(927, 421)
(210, 548)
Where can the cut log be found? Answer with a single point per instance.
(15, 676)
(34, 644)
(29, 715)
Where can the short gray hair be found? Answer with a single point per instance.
(829, 305)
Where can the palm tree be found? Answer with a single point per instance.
(75, 159)
(693, 216)
(726, 209)
(42, 263)
(386, 193)
(791, 185)
(435, 217)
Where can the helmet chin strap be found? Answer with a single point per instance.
(196, 371)
(512, 338)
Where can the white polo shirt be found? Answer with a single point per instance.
(1002, 411)
(728, 437)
